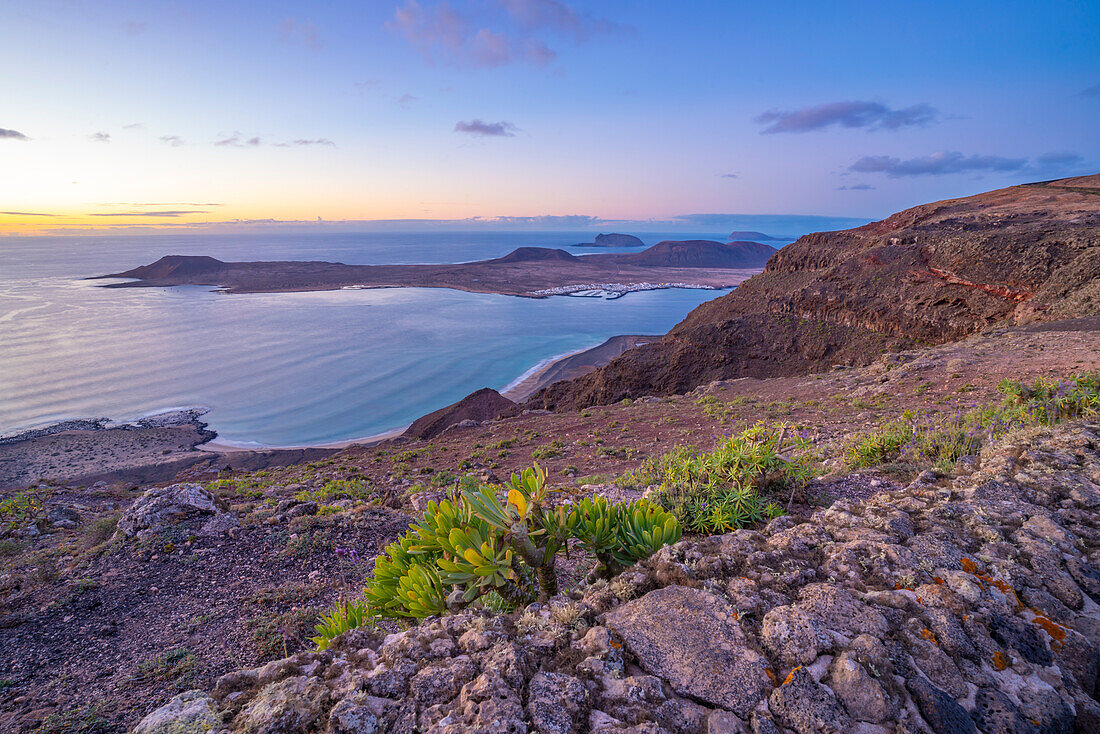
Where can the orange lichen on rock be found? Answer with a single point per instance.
(771, 675)
(1056, 631)
(1000, 660)
(939, 581)
(790, 676)
(929, 635)
(969, 566)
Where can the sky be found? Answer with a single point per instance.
(118, 115)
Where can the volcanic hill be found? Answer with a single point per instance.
(928, 275)
(527, 271)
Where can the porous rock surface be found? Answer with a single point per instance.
(162, 507)
(964, 605)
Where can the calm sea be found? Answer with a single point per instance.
(283, 369)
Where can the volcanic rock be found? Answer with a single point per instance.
(485, 404)
(932, 274)
(163, 506)
(613, 240)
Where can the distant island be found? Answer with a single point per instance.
(533, 272)
(613, 240)
(755, 236)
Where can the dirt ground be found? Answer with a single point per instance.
(94, 634)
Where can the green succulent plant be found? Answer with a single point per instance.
(345, 615)
(725, 489)
(478, 548)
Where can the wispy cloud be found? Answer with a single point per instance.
(134, 126)
(174, 140)
(6, 134)
(303, 34)
(482, 129)
(156, 214)
(405, 100)
(156, 203)
(1053, 165)
(729, 175)
(506, 32)
(1093, 91)
(100, 137)
(856, 187)
(866, 115)
(539, 14)
(953, 162)
(28, 214)
(236, 140)
(564, 220)
(305, 142)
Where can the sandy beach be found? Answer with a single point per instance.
(572, 364)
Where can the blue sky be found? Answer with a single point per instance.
(172, 113)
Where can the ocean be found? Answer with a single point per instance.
(287, 369)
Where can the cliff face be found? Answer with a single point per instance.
(931, 274)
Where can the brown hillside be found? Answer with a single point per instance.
(931, 274)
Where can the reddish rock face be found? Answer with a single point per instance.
(483, 405)
(928, 275)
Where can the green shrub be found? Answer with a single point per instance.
(920, 441)
(335, 489)
(551, 451)
(24, 508)
(725, 489)
(499, 554)
(345, 615)
(878, 446)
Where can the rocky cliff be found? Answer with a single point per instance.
(965, 605)
(613, 239)
(931, 274)
(482, 405)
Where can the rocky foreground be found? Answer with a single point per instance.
(958, 605)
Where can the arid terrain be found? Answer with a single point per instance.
(927, 275)
(947, 582)
(528, 271)
(131, 623)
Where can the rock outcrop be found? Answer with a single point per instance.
(162, 507)
(613, 239)
(964, 605)
(928, 275)
(477, 407)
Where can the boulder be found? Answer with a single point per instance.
(164, 506)
(693, 640)
(191, 712)
(291, 706)
(809, 707)
(63, 518)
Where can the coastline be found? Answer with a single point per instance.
(160, 445)
(570, 365)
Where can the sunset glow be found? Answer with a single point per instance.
(174, 116)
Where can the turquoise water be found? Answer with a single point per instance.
(281, 369)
